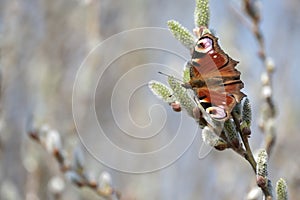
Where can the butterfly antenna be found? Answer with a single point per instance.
(162, 73)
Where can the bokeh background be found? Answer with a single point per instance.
(43, 44)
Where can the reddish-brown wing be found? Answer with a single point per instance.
(213, 75)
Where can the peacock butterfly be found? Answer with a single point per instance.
(214, 78)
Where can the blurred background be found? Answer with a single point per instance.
(43, 43)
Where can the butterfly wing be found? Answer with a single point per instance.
(214, 77)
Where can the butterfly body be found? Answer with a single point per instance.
(213, 76)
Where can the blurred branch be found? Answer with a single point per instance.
(251, 8)
(74, 169)
(268, 111)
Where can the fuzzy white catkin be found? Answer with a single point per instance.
(105, 184)
(53, 141)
